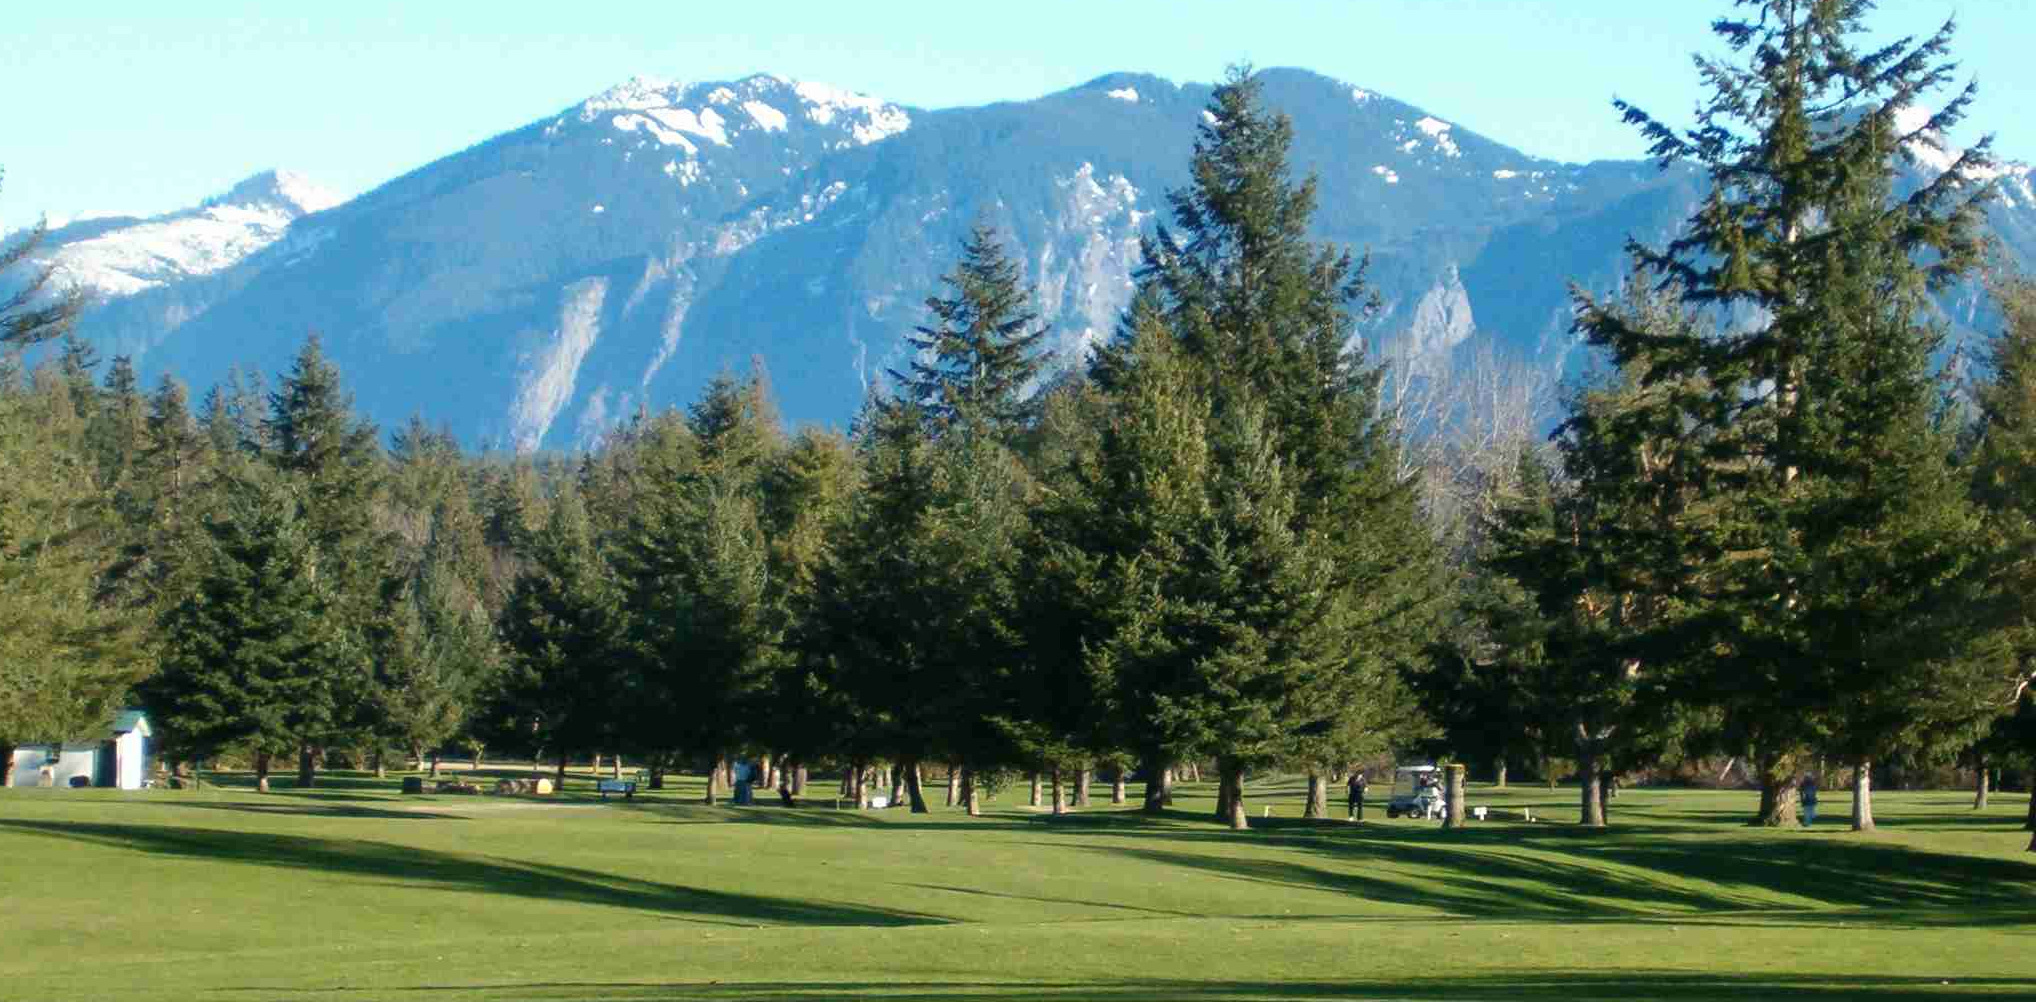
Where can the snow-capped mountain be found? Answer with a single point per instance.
(145, 276)
(534, 289)
(111, 256)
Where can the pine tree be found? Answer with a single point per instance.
(36, 309)
(251, 657)
(119, 424)
(1818, 474)
(980, 352)
(2003, 486)
(908, 625)
(66, 656)
(163, 505)
(809, 490)
(1117, 528)
(562, 633)
(694, 561)
(313, 438)
(1264, 321)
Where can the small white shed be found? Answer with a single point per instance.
(121, 761)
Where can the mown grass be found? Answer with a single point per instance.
(351, 891)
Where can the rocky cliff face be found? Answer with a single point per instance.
(535, 289)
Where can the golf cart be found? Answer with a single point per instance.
(1417, 792)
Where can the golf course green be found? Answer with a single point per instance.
(352, 891)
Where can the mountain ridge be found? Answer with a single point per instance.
(542, 284)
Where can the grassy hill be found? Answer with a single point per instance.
(351, 891)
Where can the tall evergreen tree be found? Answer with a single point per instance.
(695, 564)
(909, 622)
(2003, 473)
(66, 656)
(562, 634)
(979, 352)
(252, 657)
(314, 439)
(1265, 321)
(163, 504)
(1825, 505)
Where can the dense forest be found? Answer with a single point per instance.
(1767, 528)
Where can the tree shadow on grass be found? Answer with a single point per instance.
(310, 810)
(808, 814)
(1559, 986)
(1595, 877)
(407, 865)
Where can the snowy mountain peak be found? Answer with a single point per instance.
(123, 256)
(684, 115)
(287, 190)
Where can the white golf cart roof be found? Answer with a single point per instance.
(1418, 768)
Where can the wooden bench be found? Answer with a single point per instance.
(626, 787)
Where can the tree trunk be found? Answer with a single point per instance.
(307, 767)
(1608, 791)
(897, 784)
(971, 798)
(1082, 786)
(1233, 780)
(1158, 786)
(617, 767)
(915, 787)
(1979, 787)
(261, 764)
(597, 765)
(1222, 812)
(1059, 795)
(1318, 798)
(769, 770)
(1117, 785)
(381, 772)
(479, 752)
(714, 782)
(799, 780)
(2029, 822)
(1452, 796)
(1035, 790)
(1593, 812)
(1862, 797)
(6, 764)
(953, 785)
(1499, 774)
(434, 767)
(1777, 795)
(859, 787)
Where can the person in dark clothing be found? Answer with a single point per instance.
(1357, 795)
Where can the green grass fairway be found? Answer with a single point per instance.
(352, 892)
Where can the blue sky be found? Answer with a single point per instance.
(141, 107)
